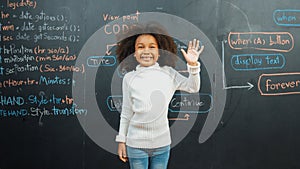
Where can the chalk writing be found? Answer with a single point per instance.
(69, 111)
(117, 28)
(4, 15)
(15, 113)
(46, 27)
(15, 69)
(53, 54)
(95, 61)
(38, 100)
(121, 72)
(6, 38)
(74, 110)
(41, 16)
(41, 26)
(11, 100)
(181, 103)
(133, 17)
(64, 57)
(53, 99)
(287, 17)
(12, 49)
(61, 68)
(29, 45)
(8, 27)
(56, 80)
(59, 36)
(107, 17)
(18, 59)
(36, 111)
(22, 3)
(269, 41)
(257, 61)
(27, 26)
(190, 103)
(43, 80)
(22, 36)
(279, 84)
(30, 26)
(59, 50)
(16, 82)
(114, 103)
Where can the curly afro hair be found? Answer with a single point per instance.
(126, 46)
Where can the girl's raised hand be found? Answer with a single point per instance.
(193, 52)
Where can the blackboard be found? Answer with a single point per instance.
(61, 94)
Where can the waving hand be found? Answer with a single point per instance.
(193, 52)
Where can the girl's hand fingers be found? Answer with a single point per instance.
(122, 152)
(201, 50)
(197, 45)
(194, 44)
(184, 53)
(123, 158)
(190, 45)
(193, 52)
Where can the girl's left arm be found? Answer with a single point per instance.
(192, 83)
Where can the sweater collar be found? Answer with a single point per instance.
(139, 67)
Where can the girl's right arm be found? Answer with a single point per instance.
(125, 117)
(126, 113)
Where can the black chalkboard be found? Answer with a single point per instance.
(60, 85)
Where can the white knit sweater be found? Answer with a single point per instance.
(146, 96)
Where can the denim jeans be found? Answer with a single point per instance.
(140, 158)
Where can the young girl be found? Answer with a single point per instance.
(149, 55)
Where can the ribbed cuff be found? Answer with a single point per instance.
(194, 69)
(120, 138)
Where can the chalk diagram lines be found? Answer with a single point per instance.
(225, 87)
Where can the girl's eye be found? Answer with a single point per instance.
(140, 47)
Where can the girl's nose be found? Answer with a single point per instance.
(146, 50)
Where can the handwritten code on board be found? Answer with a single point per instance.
(40, 43)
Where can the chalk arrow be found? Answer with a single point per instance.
(249, 86)
(108, 48)
(186, 117)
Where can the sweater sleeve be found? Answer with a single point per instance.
(190, 84)
(126, 112)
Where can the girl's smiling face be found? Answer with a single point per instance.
(146, 50)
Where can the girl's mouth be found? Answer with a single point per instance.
(146, 58)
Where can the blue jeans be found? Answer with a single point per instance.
(140, 158)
